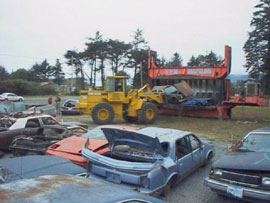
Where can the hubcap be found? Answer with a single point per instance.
(149, 114)
(103, 114)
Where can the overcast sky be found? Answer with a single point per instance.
(32, 30)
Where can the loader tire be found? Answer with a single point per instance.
(102, 113)
(148, 113)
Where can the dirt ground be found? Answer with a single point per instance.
(244, 119)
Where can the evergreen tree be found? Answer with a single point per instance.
(41, 72)
(257, 47)
(176, 61)
(3, 73)
(58, 74)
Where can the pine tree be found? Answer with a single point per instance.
(257, 47)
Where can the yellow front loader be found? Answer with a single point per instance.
(115, 100)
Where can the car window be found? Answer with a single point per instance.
(70, 104)
(181, 148)
(166, 148)
(49, 121)
(194, 142)
(32, 123)
(95, 133)
(256, 142)
(170, 90)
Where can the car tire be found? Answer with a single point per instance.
(148, 113)
(102, 113)
(20, 100)
(208, 159)
(6, 99)
(167, 189)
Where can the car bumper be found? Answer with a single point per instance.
(248, 193)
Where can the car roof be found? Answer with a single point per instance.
(164, 134)
(262, 130)
(51, 188)
(38, 116)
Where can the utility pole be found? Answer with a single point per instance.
(141, 76)
(72, 73)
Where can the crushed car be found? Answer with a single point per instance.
(71, 147)
(68, 188)
(174, 94)
(33, 166)
(244, 173)
(150, 160)
(48, 135)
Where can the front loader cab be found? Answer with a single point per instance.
(116, 84)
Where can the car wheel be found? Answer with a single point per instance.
(102, 113)
(20, 100)
(6, 99)
(148, 113)
(167, 189)
(209, 159)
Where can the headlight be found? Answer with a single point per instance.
(266, 181)
(218, 172)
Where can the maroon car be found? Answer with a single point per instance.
(7, 136)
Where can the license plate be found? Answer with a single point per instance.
(112, 177)
(235, 191)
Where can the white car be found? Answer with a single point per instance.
(41, 121)
(10, 97)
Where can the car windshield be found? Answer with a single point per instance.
(255, 142)
(170, 90)
(95, 133)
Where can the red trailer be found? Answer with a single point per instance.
(207, 82)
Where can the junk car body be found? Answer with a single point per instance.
(40, 121)
(245, 172)
(69, 107)
(71, 147)
(150, 160)
(33, 166)
(68, 188)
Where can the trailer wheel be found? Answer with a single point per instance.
(102, 113)
(148, 113)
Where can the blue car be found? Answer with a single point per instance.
(150, 160)
(68, 189)
(36, 165)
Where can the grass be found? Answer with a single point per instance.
(244, 119)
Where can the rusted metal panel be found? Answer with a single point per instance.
(184, 88)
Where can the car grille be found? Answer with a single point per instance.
(241, 178)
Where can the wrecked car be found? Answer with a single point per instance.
(68, 188)
(174, 94)
(244, 173)
(69, 107)
(40, 121)
(71, 147)
(36, 165)
(150, 160)
(7, 136)
(48, 135)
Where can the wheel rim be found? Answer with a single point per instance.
(149, 114)
(103, 114)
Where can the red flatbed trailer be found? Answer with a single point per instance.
(206, 81)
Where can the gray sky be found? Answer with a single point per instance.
(32, 30)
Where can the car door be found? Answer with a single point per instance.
(183, 156)
(196, 149)
(12, 97)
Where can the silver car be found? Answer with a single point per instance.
(10, 97)
(150, 160)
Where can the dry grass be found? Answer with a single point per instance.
(244, 119)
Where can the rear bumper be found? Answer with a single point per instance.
(248, 193)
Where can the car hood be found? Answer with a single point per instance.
(133, 139)
(74, 145)
(244, 161)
